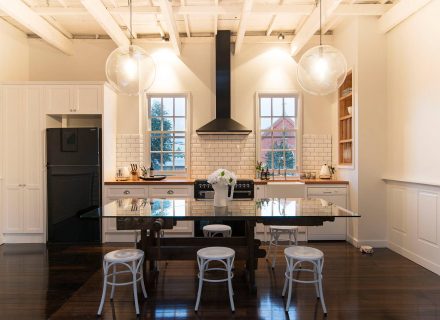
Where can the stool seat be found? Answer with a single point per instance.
(283, 228)
(213, 230)
(303, 253)
(124, 255)
(216, 253)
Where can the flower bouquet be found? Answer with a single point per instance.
(220, 180)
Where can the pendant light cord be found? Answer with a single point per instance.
(320, 22)
(131, 22)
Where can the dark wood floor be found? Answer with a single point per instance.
(64, 282)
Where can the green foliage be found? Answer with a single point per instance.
(278, 157)
(167, 138)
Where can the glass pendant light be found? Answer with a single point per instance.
(130, 70)
(322, 69)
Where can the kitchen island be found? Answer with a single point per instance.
(153, 215)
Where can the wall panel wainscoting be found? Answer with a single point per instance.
(414, 222)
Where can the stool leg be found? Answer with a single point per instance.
(113, 281)
(295, 235)
(201, 276)
(141, 267)
(104, 289)
(321, 295)
(231, 292)
(315, 277)
(270, 245)
(285, 279)
(289, 295)
(274, 255)
(133, 273)
(290, 237)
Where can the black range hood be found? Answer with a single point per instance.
(223, 124)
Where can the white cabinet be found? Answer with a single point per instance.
(74, 99)
(113, 192)
(259, 191)
(23, 159)
(337, 229)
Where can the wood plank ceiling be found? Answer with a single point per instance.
(179, 20)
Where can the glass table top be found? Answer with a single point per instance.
(190, 208)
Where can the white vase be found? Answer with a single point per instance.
(221, 194)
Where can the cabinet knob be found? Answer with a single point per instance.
(170, 192)
(126, 192)
(258, 188)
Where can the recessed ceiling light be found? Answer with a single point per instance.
(281, 36)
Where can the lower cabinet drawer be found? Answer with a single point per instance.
(124, 192)
(170, 192)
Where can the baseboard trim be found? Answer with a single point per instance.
(374, 243)
(24, 238)
(428, 264)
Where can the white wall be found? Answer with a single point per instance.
(413, 152)
(14, 55)
(414, 97)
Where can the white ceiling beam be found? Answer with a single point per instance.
(312, 25)
(400, 12)
(215, 18)
(332, 24)
(28, 18)
(168, 15)
(59, 26)
(272, 23)
(62, 3)
(186, 21)
(245, 13)
(100, 13)
(223, 9)
(114, 3)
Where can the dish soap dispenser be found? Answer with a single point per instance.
(151, 170)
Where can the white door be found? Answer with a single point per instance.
(87, 99)
(33, 163)
(59, 99)
(13, 102)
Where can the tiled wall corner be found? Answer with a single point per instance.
(232, 152)
(129, 149)
(317, 150)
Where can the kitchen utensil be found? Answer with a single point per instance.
(325, 172)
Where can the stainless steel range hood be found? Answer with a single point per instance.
(223, 124)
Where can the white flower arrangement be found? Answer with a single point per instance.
(222, 176)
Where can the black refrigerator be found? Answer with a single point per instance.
(73, 184)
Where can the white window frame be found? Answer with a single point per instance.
(298, 122)
(146, 131)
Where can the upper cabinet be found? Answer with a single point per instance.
(74, 99)
(345, 122)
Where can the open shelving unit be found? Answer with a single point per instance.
(345, 121)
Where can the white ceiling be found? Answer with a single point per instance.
(266, 16)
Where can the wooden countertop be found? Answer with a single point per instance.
(167, 181)
(184, 181)
(305, 181)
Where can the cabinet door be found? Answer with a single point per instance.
(170, 191)
(87, 99)
(33, 162)
(59, 99)
(260, 191)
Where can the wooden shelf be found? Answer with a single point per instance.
(346, 96)
(345, 123)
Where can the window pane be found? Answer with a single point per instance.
(168, 124)
(290, 140)
(290, 159)
(155, 142)
(156, 124)
(179, 143)
(156, 109)
(289, 123)
(179, 105)
(265, 107)
(266, 141)
(265, 123)
(289, 107)
(167, 142)
(265, 157)
(167, 158)
(168, 107)
(179, 124)
(278, 159)
(277, 107)
(277, 123)
(155, 159)
(179, 161)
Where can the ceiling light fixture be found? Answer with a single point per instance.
(130, 70)
(281, 36)
(322, 69)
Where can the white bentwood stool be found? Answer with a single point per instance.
(212, 230)
(295, 255)
(130, 258)
(221, 254)
(275, 233)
